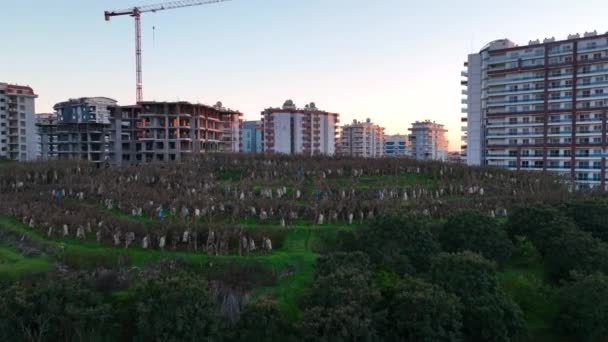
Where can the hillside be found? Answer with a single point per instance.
(253, 228)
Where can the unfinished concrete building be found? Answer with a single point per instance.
(168, 131)
(99, 130)
(46, 124)
(83, 128)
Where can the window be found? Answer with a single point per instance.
(597, 56)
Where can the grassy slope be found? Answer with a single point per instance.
(293, 264)
(13, 264)
(523, 278)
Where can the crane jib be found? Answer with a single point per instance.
(135, 12)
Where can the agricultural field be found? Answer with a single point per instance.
(319, 248)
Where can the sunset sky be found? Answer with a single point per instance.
(395, 61)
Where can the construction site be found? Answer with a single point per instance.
(100, 130)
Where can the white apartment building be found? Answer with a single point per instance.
(306, 131)
(396, 146)
(362, 139)
(541, 106)
(18, 135)
(428, 141)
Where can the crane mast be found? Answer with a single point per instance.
(136, 12)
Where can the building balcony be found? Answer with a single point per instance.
(514, 124)
(514, 102)
(511, 134)
(512, 58)
(514, 79)
(498, 92)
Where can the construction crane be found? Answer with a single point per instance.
(136, 13)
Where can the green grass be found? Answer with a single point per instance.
(13, 264)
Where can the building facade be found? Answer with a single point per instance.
(99, 130)
(396, 146)
(362, 139)
(251, 137)
(83, 128)
(18, 135)
(541, 106)
(306, 131)
(428, 141)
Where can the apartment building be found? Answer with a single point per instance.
(83, 128)
(540, 106)
(99, 130)
(17, 122)
(362, 139)
(396, 146)
(428, 141)
(306, 131)
(251, 137)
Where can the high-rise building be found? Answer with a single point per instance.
(396, 146)
(18, 140)
(251, 137)
(541, 106)
(362, 139)
(292, 130)
(428, 141)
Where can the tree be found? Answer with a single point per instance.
(339, 305)
(488, 315)
(421, 311)
(262, 320)
(590, 216)
(477, 233)
(464, 273)
(574, 250)
(57, 308)
(329, 263)
(175, 308)
(583, 308)
(401, 244)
